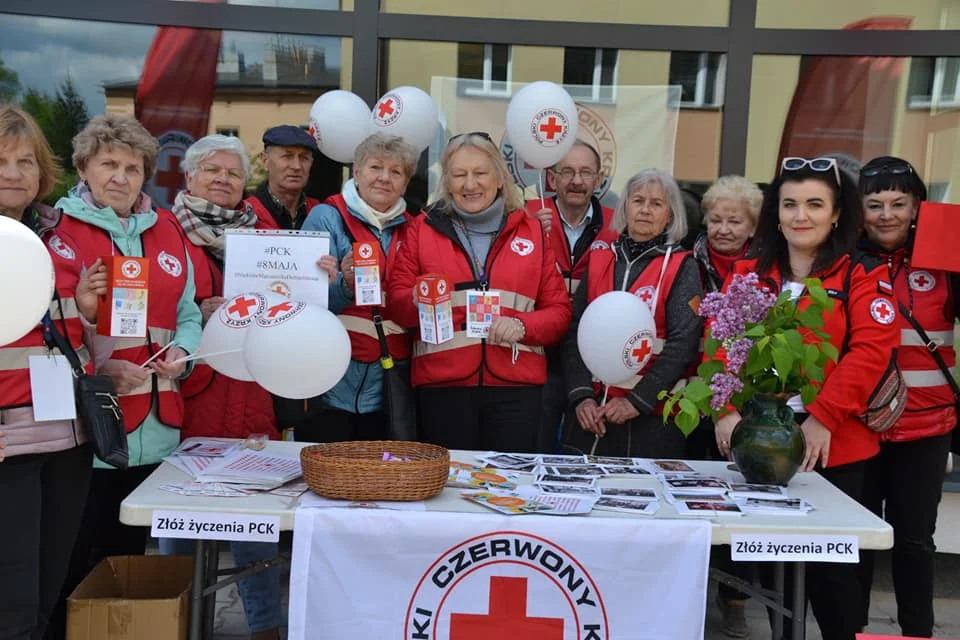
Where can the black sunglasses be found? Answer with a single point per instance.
(893, 168)
(482, 134)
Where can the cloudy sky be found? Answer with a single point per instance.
(43, 51)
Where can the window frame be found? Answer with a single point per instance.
(936, 99)
(700, 87)
(487, 90)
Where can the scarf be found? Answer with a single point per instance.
(633, 249)
(721, 263)
(376, 219)
(477, 231)
(205, 222)
(142, 204)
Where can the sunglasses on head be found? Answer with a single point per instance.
(482, 134)
(893, 168)
(816, 164)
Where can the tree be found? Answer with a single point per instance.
(9, 83)
(40, 106)
(69, 117)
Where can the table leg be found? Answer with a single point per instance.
(196, 595)
(778, 618)
(210, 602)
(799, 601)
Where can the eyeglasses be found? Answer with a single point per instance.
(212, 171)
(482, 134)
(893, 168)
(569, 174)
(817, 164)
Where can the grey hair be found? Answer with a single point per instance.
(512, 199)
(386, 146)
(677, 227)
(207, 146)
(735, 189)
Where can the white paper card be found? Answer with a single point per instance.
(483, 307)
(198, 525)
(788, 547)
(52, 390)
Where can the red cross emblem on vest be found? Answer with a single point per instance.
(506, 616)
(922, 281)
(882, 311)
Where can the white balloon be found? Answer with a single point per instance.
(297, 350)
(407, 112)
(616, 336)
(226, 330)
(26, 286)
(339, 121)
(542, 123)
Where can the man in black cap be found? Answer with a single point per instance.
(288, 155)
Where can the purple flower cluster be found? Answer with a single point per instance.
(723, 385)
(737, 352)
(743, 302)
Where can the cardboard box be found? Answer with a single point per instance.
(435, 308)
(132, 598)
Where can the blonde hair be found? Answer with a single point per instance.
(512, 200)
(382, 145)
(735, 189)
(677, 227)
(17, 125)
(111, 130)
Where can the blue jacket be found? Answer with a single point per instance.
(361, 388)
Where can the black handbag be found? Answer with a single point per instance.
(399, 405)
(97, 407)
(934, 350)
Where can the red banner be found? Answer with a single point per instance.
(845, 104)
(173, 100)
(937, 238)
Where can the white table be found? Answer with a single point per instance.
(835, 514)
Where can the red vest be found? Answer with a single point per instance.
(15, 388)
(364, 344)
(514, 267)
(266, 218)
(215, 405)
(165, 246)
(573, 271)
(930, 403)
(601, 280)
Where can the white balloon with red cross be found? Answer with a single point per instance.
(542, 123)
(221, 345)
(296, 350)
(407, 112)
(27, 283)
(339, 121)
(616, 337)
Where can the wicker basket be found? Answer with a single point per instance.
(356, 470)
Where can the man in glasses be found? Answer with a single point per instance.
(575, 223)
(288, 155)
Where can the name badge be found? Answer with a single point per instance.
(122, 313)
(483, 307)
(51, 388)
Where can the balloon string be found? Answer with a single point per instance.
(197, 356)
(596, 438)
(543, 203)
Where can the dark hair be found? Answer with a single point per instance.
(908, 182)
(770, 246)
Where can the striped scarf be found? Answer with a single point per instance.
(205, 222)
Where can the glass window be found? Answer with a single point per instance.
(67, 71)
(933, 82)
(858, 14)
(486, 64)
(591, 74)
(859, 107)
(707, 13)
(701, 76)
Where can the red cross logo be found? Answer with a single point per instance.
(551, 128)
(646, 296)
(170, 178)
(241, 306)
(130, 268)
(279, 308)
(507, 617)
(882, 311)
(922, 280)
(641, 352)
(366, 251)
(385, 108)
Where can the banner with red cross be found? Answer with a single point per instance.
(379, 573)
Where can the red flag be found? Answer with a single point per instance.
(938, 236)
(845, 104)
(173, 100)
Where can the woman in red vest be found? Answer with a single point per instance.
(45, 466)
(807, 229)
(905, 481)
(646, 260)
(370, 209)
(481, 393)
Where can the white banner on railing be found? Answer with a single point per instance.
(371, 574)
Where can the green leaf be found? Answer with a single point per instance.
(818, 294)
(763, 343)
(794, 340)
(697, 391)
(815, 373)
(668, 407)
(663, 394)
(687, 422)
(811, 317)
(710, 346)
(756, 331)
(783, 360)
(687, 406)
(830, 350)
(708, 369)
(759, 363)
(808, 394)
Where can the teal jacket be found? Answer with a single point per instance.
(152, 440)
(361, 388)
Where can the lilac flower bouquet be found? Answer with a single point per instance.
(757, 343)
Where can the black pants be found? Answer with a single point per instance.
(334, 425)
(903, 485)
(833, 590)
(42, 497)
(101, 532)
(481, 418)
(554, 406)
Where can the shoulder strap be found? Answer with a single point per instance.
(933, 348)
(845, 297)
(63, 345)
